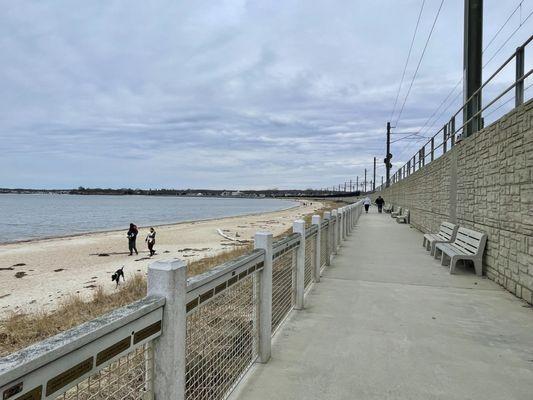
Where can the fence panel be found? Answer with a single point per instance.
(309, 260)
(222, 338)
(323, 244)
(130, 377)
(283, 269)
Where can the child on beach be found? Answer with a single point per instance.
(150, 239)
(132, 238)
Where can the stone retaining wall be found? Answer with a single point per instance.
(485, 183)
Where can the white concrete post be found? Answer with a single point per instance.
(345, 223)
(335, 232)
(348, 220)
(168, 279)
(327, 215)
(316, 272)
(339, 228)
(263, 240)
(298, 226)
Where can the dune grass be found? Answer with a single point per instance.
(21, 329)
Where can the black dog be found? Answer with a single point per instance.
(116, 276)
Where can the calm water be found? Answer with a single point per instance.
(28, 216)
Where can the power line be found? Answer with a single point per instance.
(509, 38)
(503, 26)
(407, 60)
(420, 61)
(513, 12)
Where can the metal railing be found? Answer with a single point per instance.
(191, 338)
(107, 358)
(451, 133)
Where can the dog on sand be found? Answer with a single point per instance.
(116, 276)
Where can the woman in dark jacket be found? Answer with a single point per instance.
(132, 238)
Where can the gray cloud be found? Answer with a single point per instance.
(246, 94)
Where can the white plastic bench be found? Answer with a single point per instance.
(404, 217)
(446, 234)
(387, 208)
(394, 214)
(468, 245)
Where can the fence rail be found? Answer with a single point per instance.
(190, 338)
(452, 132)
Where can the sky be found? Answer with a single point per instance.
(227, 94)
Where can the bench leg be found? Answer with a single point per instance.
(478, 265)
(442, 258)
(424, 242)
(453, 261)
(431, 248)
(436, 252)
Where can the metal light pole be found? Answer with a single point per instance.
(388, 157)
(374, 180)
(472, 64)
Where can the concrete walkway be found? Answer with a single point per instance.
(388, 322)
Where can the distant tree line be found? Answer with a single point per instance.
(184, 192)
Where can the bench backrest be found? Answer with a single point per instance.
(448, 230)
(470, 241)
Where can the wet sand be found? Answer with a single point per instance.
(36, 275)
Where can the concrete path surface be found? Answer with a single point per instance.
(388, 322)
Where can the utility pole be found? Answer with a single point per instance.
(350, 185)
(365, 180)
(357, 182)
(374, 180)
(345, 186)
(388, 157)
(381, 180)
(472, 63)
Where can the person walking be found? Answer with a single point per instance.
(150, 239)
(132, 238)
(366, 203)
(379, 203)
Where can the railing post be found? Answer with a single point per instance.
(519, 88)
(327, 215)
(298, 226)
(334, 232)
(432, 148)
(451, 132)
(263, 240)
(408, 167)
(444, 139)
(315, 220)
(168, 279)
(344, 223)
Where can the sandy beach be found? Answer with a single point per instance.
(36, 275)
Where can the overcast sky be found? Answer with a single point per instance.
(221, 94)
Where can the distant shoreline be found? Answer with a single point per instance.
(168, 224)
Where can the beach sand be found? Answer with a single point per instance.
(36, 275)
